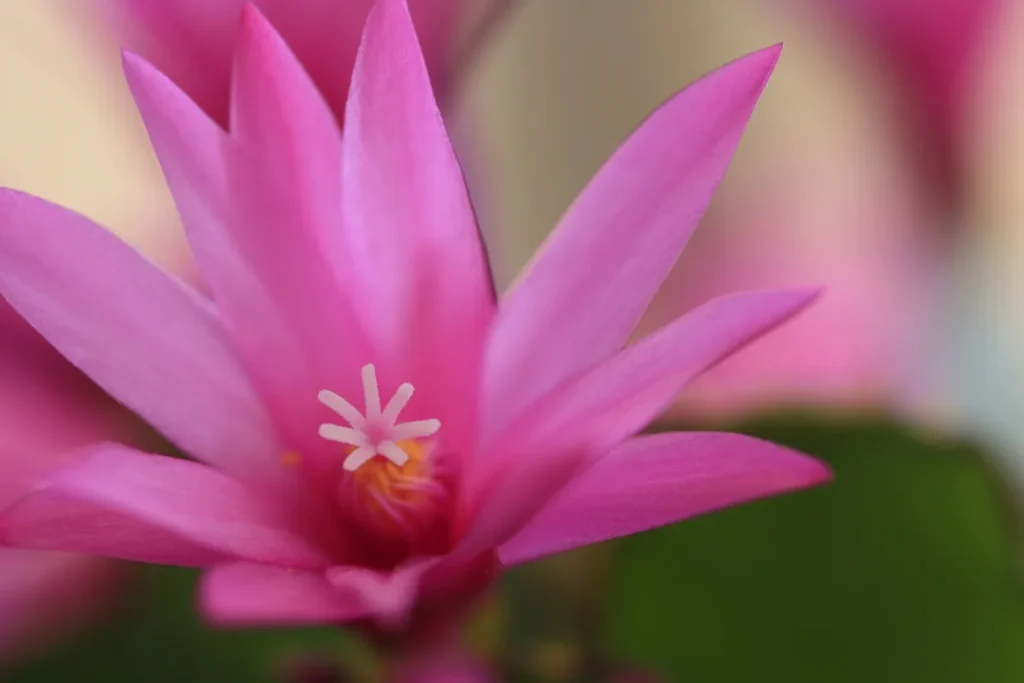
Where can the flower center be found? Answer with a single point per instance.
(397, 490)
(391, 481)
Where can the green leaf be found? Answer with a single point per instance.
(900, 570)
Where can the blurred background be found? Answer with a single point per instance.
(885, 161)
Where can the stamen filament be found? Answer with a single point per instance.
(358, 458)
(391, 451)
(397, 403)
(351, 437)
(416, 430)
(371, 393)
(343, 408)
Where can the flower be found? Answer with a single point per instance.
(347, 268)
(192, 40)
(48, 409)
(933, 49)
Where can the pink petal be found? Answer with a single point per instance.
(650, 481)
(412, 228)
(250, 594)
(284, 175)
(118, 502)
(592, 413)
(144, 337)
(387, 595)
(247, 594)
(191, 149)
(47, 407)
(589, 285)
(860, 347)
(191, 40)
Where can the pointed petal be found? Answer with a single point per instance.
(145, 338)
(284, 181)
(412, 227)
(592, 413)
(191, 40)
(191, 150)
(119, 502)
(650, 481)
(249, 594)
(47, 408)
(592, 280)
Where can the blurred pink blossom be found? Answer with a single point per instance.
(866, 345)
(931, 49)
(519, 439)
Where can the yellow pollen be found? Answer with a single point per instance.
(397, 482)
(291, 459)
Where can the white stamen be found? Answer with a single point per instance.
(386, 432)
(359, 457)
(343, 408)
(352, 437)
(397, 403)
(371, 392)
(417, 429)
(391, 451)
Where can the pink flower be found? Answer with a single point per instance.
(932, 49)
(46, 410)
(371, 433)
(851, 221)
(191, 41)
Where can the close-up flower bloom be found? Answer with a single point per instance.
(373, 435)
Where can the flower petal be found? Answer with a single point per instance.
(412, 228)
(47, 408)
(122, 503)
(388, 595)
(248, 594)
(245, 593)
(589, 285)
(650, 481)
(284, 181)
(191, 149)
(145, 338)
(590, 414)
(191, 40)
